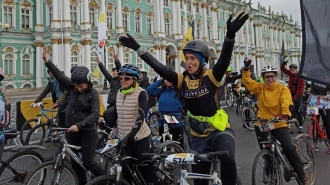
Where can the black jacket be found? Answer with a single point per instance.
(114, 82)
(48, 89)
(144, 83)
(83, 109)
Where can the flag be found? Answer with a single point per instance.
(187, 38)
(96, 73)
(245, 55)
(102, 36)
(315, 57)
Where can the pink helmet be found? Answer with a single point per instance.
(1, 74)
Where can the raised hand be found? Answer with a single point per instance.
(44, 54)
(97, 60)
(233, 27)
(129, 41)
(115, 56)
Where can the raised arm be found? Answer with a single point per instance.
(285, 70)
(251, 85)
(43, 94)
(154, 89)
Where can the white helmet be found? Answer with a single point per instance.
(142, 70)
(268, 68)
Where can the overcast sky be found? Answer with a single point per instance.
(288, 6)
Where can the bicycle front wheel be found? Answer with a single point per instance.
(263, 170)
(26, 127)
(107, 179)
(46, 174)
(230, 100)
(248, 113)
(153, 123)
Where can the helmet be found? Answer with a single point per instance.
(143, 70)
(198, 46)
(293, 66)
(2, 76)
(228, 69)
(268, 68)
(287, 59)
(130, 70)
(73, 68)
(80, 75)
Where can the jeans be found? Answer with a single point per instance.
(88, 142)
(284, 137)
(297, 105)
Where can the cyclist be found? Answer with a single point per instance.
(296, 86)
(169, 103)
(3, 102)
(130, 109)
(231, 81)
(52, 87)
(319, 89)
(114, 87)
(83, 112)
(274, 100)
(208, 122)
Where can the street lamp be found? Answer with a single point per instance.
(6, 26)
(105, 84)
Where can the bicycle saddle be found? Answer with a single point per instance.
(10, 133)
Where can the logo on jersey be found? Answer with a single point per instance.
(191, 93)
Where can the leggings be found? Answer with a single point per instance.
(88, 142)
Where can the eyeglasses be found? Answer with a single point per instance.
(292, 69)
(125, 78)
(269, 76)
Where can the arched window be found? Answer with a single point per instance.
(8, 64)
(189, 6)
(111, 62)
(92, 16)
(93, 63)
(139, 62)
(74, 59)
(26, 64)
(167, 24)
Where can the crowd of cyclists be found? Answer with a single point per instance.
(194, 90)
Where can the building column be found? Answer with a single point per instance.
(120, 52)
(205, 30)
(185, 28)
(181, 69)
(157, 16)
(163, 54)
(39, 10)
(55, 54)
(178, 20)
(102, 6)
(177, 61)
(85, 24)
(214, 22)
(66, 14)
(119, 16)
(86, 55)
(252, 33)
(193, 9)
(271, 35)
(39, 64)
(175, 17)
(161, 19)
(67, 57)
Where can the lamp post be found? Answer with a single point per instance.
(105, 84)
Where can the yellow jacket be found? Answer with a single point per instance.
(273, 101)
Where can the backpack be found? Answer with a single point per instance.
(5, 120)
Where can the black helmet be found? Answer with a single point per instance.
(201, 47)
(130, 70)
(80, 75)
(293, 66)
(73, 68)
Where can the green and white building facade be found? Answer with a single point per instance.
(68, 28)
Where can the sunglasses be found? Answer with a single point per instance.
(292, 69)
(125, 78)
(269, 76)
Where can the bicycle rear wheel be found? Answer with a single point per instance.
(26, 127)
(263, 171)
(248, 113)
(106, 179)
(230, 100)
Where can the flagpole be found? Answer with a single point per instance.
(105, 83)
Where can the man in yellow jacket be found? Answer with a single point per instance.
(274, 100)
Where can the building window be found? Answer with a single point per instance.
(8, 64)
(223, 15)
(125, 22)
(8, 15)
(138, 23)
(93, 63)
(182, 25)
(126, 58)
(50, 15)
(149, 25)
(109, 20)
(219, 32)
(198, 30)
(224, 33)
(25, 18)
(139, 62)
(73, 15)
(111, 62)
(50, 56)
(166, 3)
(92, 16)
(197, 7)
(26, 64)
(74, 59)
(189, 6)
(181, 4)
(148, 1)
(167, 26)
(207, 10)
(218, 15)
(209, 30)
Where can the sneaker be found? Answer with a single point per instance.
(329, 150)
(300, 129)
(316, 149)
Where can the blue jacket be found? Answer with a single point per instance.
(168, 102)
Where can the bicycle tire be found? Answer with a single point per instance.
(104, 179)
(15, 157)
(26, 126)
(303, 142)
(177, 148)
(238, 106)
(42, 141)
(239, 180)
(51, 164)
(152, 118)
(230, 100)
(249, 126)
(277, 167)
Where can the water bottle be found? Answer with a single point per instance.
(80, 155)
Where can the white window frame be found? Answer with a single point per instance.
(207, 10)
(74, 63)
(182, 25)
(93, 62)
(181, 4)
(209, 32)
(189, 6)
(138, 24)
(169, 26)
(110, 18)
(72, 11)
(151, 25)
(223, 15)
(93, 11)
(139, 62)
(30, 65)
(198, 8)
(30, 18)
(198, 30)
(111, 62)
(12, 64)
(128, 22)
(167, 3)
(13, 16)
(49, 16)
(126, 58)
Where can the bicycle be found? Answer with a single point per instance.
(271, 157)
(316, 132)
(30, 124)
(58, 167)
(176, 161)
(248, 112)
(230, 98)
(152, 121)
(240, 98)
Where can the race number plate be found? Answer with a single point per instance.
(266, 128)
(170, 119)
(229, 85)
(180, 158)
(111, 143)
(312, 110)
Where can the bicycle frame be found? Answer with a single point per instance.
(316, 129)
